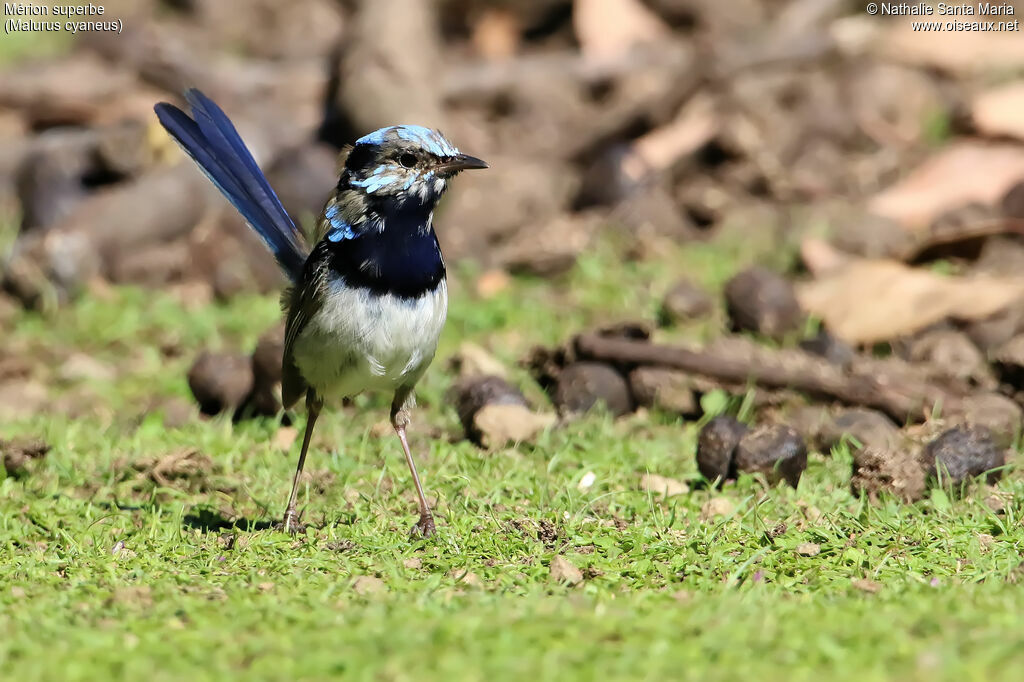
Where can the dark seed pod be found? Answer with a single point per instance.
(220, 381)
(716, 448)
(777, 451)
(762, 301)
(582, 385)
(960, 454)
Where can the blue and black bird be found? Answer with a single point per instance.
(369, 300)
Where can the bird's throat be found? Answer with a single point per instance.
(403, 258)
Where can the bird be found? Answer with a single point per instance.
(368, 299)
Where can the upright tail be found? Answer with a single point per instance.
(214, 144)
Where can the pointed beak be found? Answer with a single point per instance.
(460, 162)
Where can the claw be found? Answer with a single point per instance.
(424, 528)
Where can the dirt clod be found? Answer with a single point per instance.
(777, 451)
(220, 381)
(760, 300)
(961, 454)
(716, 448)
(582, 385)
(17, 454)
(897, 472)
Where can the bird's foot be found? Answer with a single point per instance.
(290, 524)
(424, 528)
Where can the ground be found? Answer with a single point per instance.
(136, 549)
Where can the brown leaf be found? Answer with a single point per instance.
(875, 300)
(962, 173)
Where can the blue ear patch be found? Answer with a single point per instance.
(339, 230)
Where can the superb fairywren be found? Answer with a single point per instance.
(369, 300)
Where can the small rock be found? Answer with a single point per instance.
(777, 451)
(716, 448)
(474, 393)
(582, 385)
(716, 506)
(664, 389)
(473, 361)
(413, 563)
(895, 472)
(220, 381)
(961, 454)
(762, 301)
(82, 367)
(564, 571)
(869, 428)
(17, 453)
(368, 584)
(808, 549)
(684, 302)
(999, 414)
(498, 425)
(660, 485)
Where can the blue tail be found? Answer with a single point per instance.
(214, 144)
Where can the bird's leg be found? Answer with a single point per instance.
(400, 420)
(313, 405)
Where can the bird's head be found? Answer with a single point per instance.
(405, 162)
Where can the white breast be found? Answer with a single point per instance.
(360, 341)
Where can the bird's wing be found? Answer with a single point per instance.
(302, 302)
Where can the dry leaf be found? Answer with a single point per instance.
(962, 173)
(610, 27)
(877, 300)
(997, 112)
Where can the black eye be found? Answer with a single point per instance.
(407, 160)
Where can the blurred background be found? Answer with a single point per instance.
(633, 144)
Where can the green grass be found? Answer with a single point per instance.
(108, 575)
